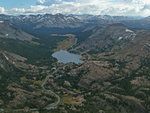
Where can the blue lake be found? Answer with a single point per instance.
(66, 57)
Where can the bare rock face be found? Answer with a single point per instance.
(26, 109)
(1, 102)
(67, 83)
(4, 64)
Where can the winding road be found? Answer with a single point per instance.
(55, 104)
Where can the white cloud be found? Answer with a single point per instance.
(96, 7)
(41, 1)
(16, 11)
(2, 10)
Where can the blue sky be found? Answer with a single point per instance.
(9, 4)
(95, 7)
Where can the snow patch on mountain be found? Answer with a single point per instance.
(128, 30)
(6, 57)
(6, 35)
(1, 21)
(120, 38)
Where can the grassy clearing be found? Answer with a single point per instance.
(35, 43)
(67, 43)
(68, 99)
(39, 82)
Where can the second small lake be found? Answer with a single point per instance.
(65, 57)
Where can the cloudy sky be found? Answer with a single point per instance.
(95, 7)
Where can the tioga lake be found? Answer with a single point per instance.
(65, 57)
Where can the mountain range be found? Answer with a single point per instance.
(48, 21)
(113, 78)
